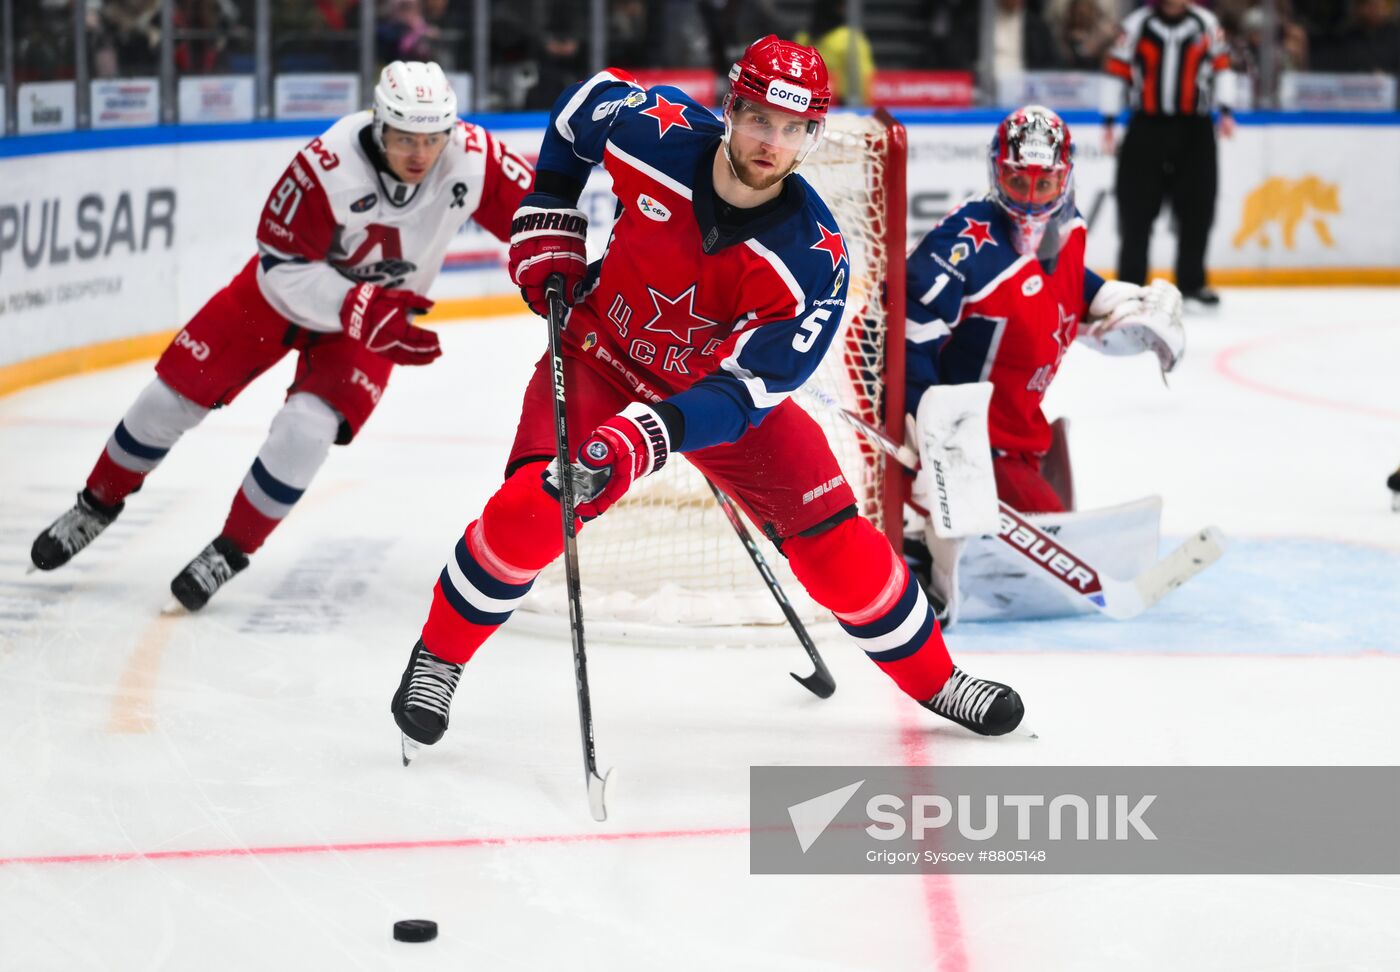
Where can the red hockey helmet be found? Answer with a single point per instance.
(1031, 163)
(782, 76)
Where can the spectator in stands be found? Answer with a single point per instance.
(832, 36)
(731, 26)
(315, 35)
(561, 58)
(628, 44)
(402, 33)
(44, 41)
(1369, 42)
(132, 29)
(1085, 33)
(204, 29)
(1022, 40)
(954, 31)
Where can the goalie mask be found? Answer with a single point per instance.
(413, 96)
(779, 95)
(1031, 163)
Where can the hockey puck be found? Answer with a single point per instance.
(415, 930)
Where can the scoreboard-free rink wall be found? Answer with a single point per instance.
(110, 240)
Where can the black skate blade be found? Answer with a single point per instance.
(599, 789)
(410, 748)
(31, 568)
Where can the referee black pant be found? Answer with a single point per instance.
(1166, 157)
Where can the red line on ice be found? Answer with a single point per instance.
(1226, 366)
(940, 898)
(461, 842)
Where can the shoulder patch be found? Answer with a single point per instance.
(364, 203)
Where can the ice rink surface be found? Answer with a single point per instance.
(224, 791)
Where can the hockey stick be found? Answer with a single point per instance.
(1119, 599)
(597, 785)
(819, 683)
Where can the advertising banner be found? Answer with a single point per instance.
(116, 242)
(1336, 92)
(216, 98)
(922, 89)
(46, 106)
(125, 102)
(316, 95)
(1061, 90)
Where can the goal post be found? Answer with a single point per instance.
(664, 556)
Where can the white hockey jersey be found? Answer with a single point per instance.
(336, 219)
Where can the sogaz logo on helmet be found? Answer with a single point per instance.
(788, 95)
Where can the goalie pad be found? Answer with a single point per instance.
(1149, 320)
(982, 579)
(955, 482)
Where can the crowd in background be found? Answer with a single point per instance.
(536, 47)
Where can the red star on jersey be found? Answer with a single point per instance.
(832, 245)
(666, 115)
(978, 232)
(676, 324)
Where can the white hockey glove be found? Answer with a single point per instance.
(1127, 319)
(955, 482)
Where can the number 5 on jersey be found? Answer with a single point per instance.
(811, 328)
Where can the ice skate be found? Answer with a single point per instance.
(72, 531)
(987, 708)
(421, 704)
(212, 569)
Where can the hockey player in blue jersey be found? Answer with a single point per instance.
(719, 292)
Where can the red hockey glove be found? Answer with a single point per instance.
(543, 241)
(379, 319)
(632, 444)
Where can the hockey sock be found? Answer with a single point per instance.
(297, 443)
(494, 563)
(152, 425)
(852, 571)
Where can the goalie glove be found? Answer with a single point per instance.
(1131, 319)
(632, 444)
(382, 321)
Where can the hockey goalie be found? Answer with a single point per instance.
(997, 291)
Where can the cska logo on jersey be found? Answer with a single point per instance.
(978, 232)
(667, 115)
(832, 245)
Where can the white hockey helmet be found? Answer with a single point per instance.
(413, 96)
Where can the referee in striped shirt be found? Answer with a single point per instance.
(1172, 57)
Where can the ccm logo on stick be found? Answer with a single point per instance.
(788, 95)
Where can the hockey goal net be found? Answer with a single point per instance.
(665, 556)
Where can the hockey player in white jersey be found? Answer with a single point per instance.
(350, 239)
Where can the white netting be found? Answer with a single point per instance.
(665, 555)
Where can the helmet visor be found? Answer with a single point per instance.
(775, 127)
(1031, 188)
